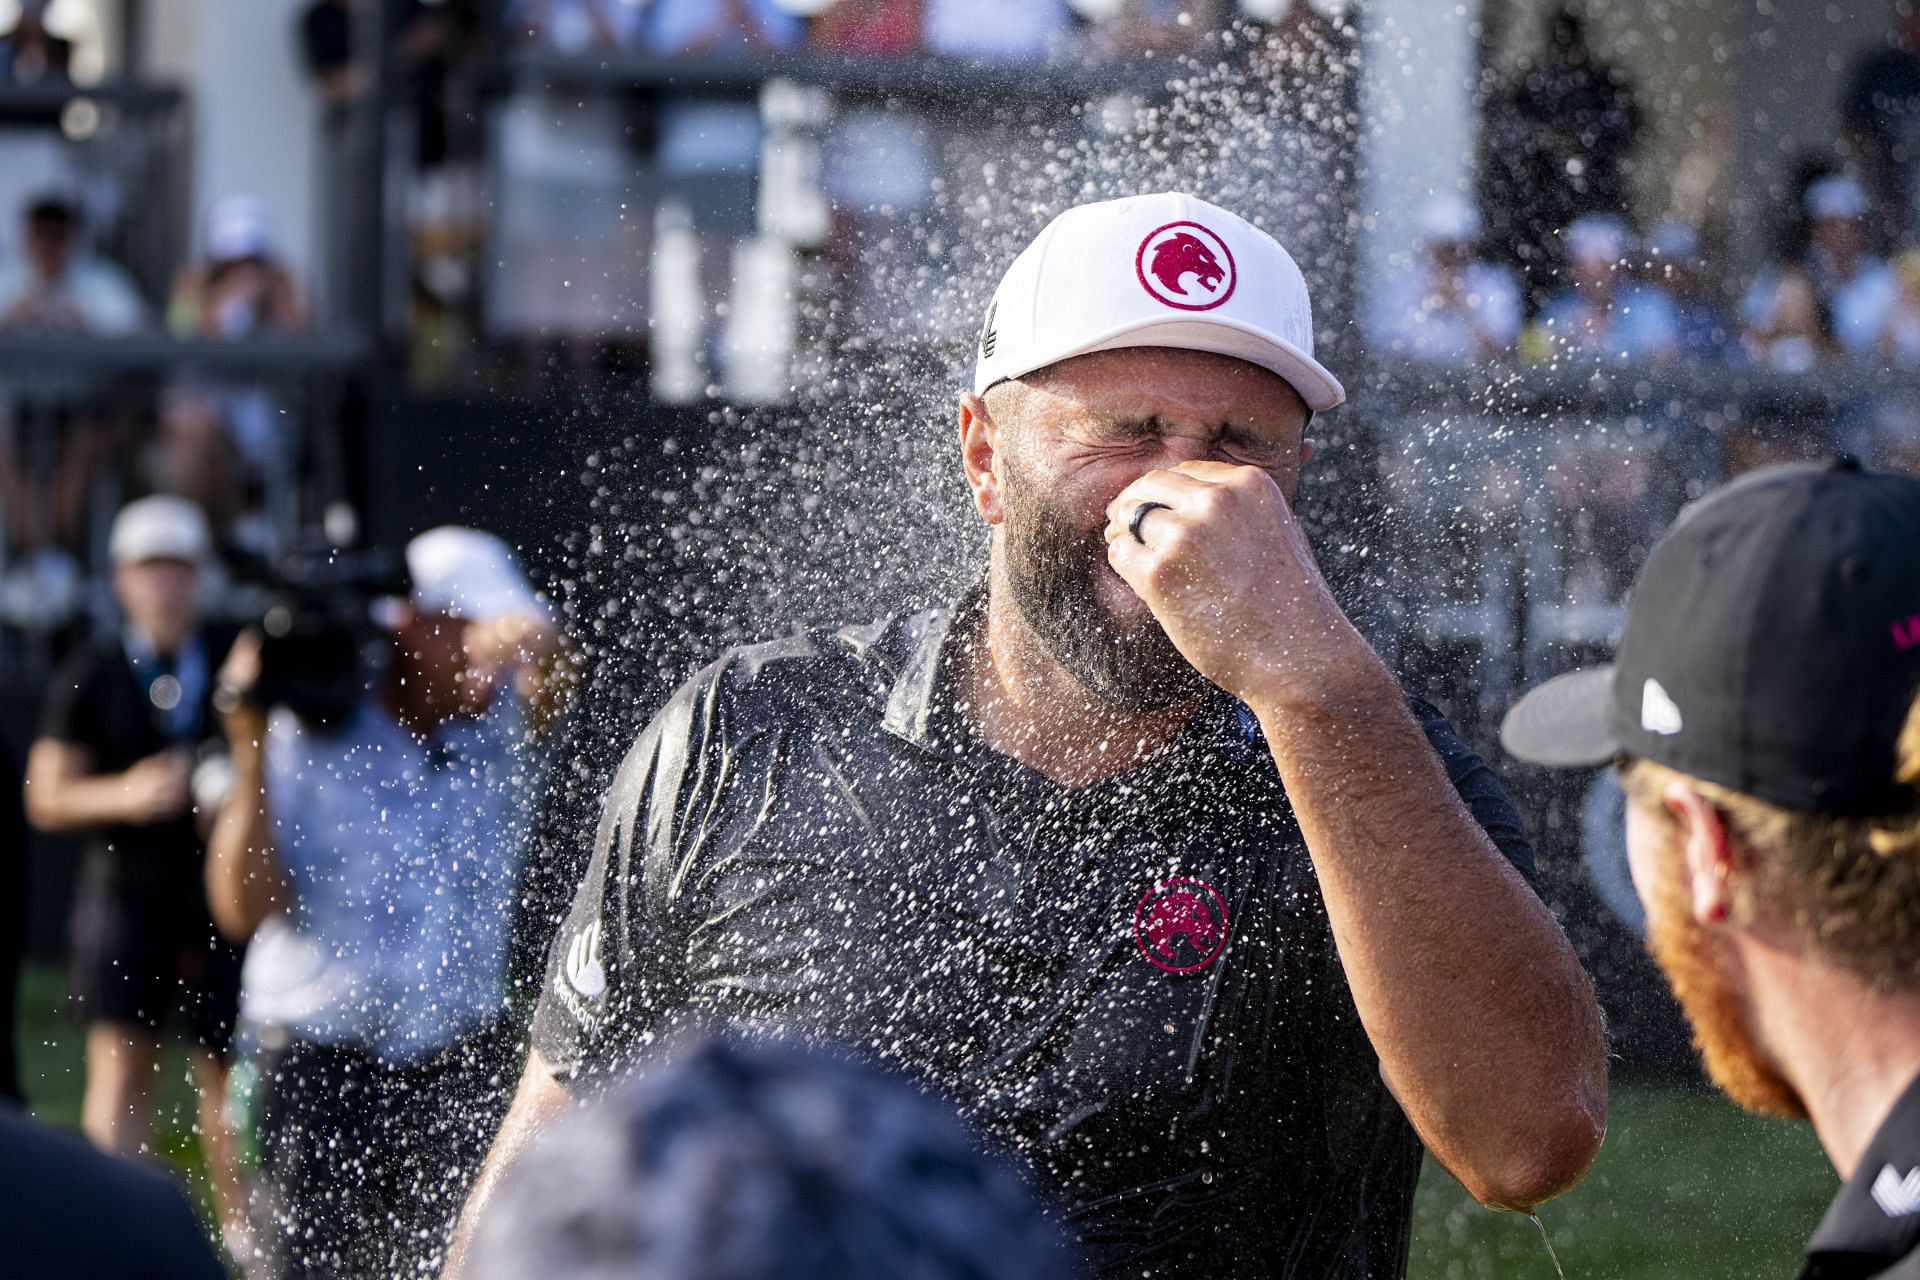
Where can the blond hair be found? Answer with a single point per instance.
(1850, 886)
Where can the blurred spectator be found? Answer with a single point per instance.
(326, 40)
(426, 40)
(868, 28)
(693, 27)
(997, 30)
(1132, 27)
(48, 465)
(1899, 345)
(739, 1161)
(574, 26)
(1880, 120)
(1789, 329)
(1605, 313)
(1558, 143)
(67, 1211)
(125, 752)
(194, 453)
(1452, 306)
(1676, 264)
(240, 289)
(218, 443)
(374, 865)
(58, 286)
(13, 917)
(29, 53)
(1854, 287)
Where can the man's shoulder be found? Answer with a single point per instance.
(89, 668)
(845, 667)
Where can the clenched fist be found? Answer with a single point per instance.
(157, 789)
(1228, 573)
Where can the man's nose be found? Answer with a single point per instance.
(1175, 450)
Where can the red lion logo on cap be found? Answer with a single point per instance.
(1182, 254)
(1181, 925)
(1171, 253)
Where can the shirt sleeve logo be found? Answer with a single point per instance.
(1186, 266)
(1180, 925)
(583, 968)
(1897, 1196)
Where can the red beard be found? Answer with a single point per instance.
(1698, 967)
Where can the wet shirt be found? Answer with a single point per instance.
(1872, 1230)
(1133, 983)
(404, 859)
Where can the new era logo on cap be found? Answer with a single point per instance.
(1165, 270)
(1658, 712)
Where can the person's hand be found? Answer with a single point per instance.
(158, 788)
(241, 715)
(35, 309)
(1230, 577)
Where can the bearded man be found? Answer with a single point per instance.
(1762, 712)
(1138, 853)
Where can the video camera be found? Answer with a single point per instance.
(321, 646)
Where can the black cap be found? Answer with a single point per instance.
(1772, 646)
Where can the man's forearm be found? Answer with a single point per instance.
(1485, 1023)
(244, 880)
(535, 1104)
(78, 804)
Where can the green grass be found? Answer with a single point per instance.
(1686, 1185)
(52, 1072)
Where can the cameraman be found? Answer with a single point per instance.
(375, 867)
(123, 726)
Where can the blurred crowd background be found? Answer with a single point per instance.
(340, 270)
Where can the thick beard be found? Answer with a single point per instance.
(1127, 666)
(1696, 964)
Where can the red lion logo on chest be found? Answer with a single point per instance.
(1181, 254)
(1181, 925)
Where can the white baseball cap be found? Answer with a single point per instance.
(1835, 196)
(1449, 218)
(238, 227)
(162, 527)
(1165, 270)
(468, 573)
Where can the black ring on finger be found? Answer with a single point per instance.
(1140, 514)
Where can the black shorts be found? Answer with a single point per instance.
(149, 968)
(364, 1164)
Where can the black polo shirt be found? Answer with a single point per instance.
(1133, 984)
(1873, 1227)
(103, 699)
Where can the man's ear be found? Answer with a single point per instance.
(980, 455)
(1708, 848)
